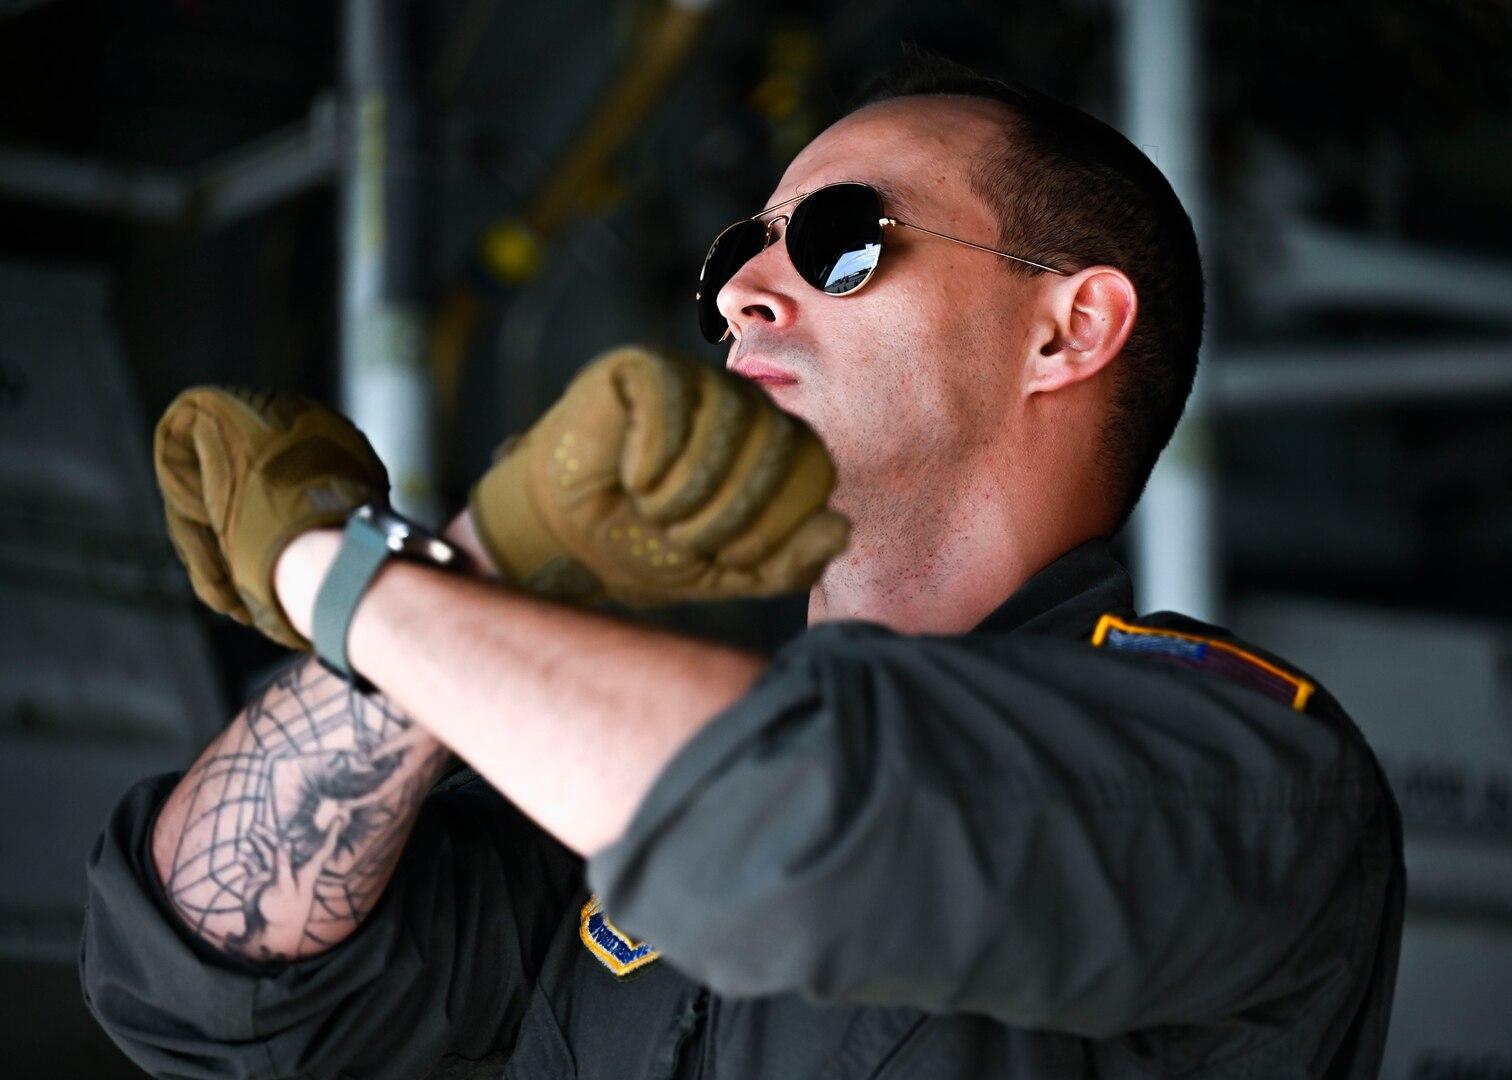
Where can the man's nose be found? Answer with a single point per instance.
(763, 290)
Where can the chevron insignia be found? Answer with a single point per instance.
(1204, 654)
(610, 945)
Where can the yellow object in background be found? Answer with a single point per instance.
(511, 252)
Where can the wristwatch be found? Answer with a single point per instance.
(374, 535)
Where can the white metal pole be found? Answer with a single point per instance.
(385, 387)
(1174, 531)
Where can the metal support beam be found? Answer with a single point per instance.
(9, 8)
(1332, 267)
(1324, 375)
(1173, 532)
(225, 190)
(153, 195)
(385, 385)
(268, 170)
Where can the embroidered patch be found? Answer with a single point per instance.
(606, 941)
(1204, 654)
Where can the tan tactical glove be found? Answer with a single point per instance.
(243, 472)
(658, 480)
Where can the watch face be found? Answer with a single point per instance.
(404, 537)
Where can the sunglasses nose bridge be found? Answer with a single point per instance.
(770, 230)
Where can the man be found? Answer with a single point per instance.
(980, 821)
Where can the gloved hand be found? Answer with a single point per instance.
(657, 480)
(242, 473)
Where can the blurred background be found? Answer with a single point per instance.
(432, 214)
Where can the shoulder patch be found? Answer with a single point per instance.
(611, 946)
(1204, 654)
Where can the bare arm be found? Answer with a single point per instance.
(570, 714)
(280, 838)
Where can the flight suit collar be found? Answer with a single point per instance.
(1066, 598)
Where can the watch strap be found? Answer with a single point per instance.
(363, 552)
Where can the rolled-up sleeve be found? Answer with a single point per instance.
(443, 965)
(1023, 827)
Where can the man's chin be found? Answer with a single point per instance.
(788, 396)
(785, 396)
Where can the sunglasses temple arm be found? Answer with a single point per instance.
(979, 247)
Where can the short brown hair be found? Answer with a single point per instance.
(1072, 192)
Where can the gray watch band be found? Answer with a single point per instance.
(374, 534)
(363, 552)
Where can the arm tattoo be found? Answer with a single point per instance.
(290, 824)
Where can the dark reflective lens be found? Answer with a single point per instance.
(731, 250)
(835, 237)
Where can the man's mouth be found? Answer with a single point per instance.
(763, 373)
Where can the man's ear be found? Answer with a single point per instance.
(1087, 318)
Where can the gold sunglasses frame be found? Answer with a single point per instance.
(884, 222)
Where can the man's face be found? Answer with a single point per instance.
(912, 376)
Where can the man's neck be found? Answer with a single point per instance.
(931, 574)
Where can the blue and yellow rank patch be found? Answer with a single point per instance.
(1204, 654)
(609, 944)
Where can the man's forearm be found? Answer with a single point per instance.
(570, 714)
(280, 838)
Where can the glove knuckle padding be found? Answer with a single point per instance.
(722, 417)
(656, 396)
(747, 483)
(242, 473)
(660, 480)
(798, 491)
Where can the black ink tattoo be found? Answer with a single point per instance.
(294, 819)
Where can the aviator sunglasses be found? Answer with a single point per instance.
(833, 237)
